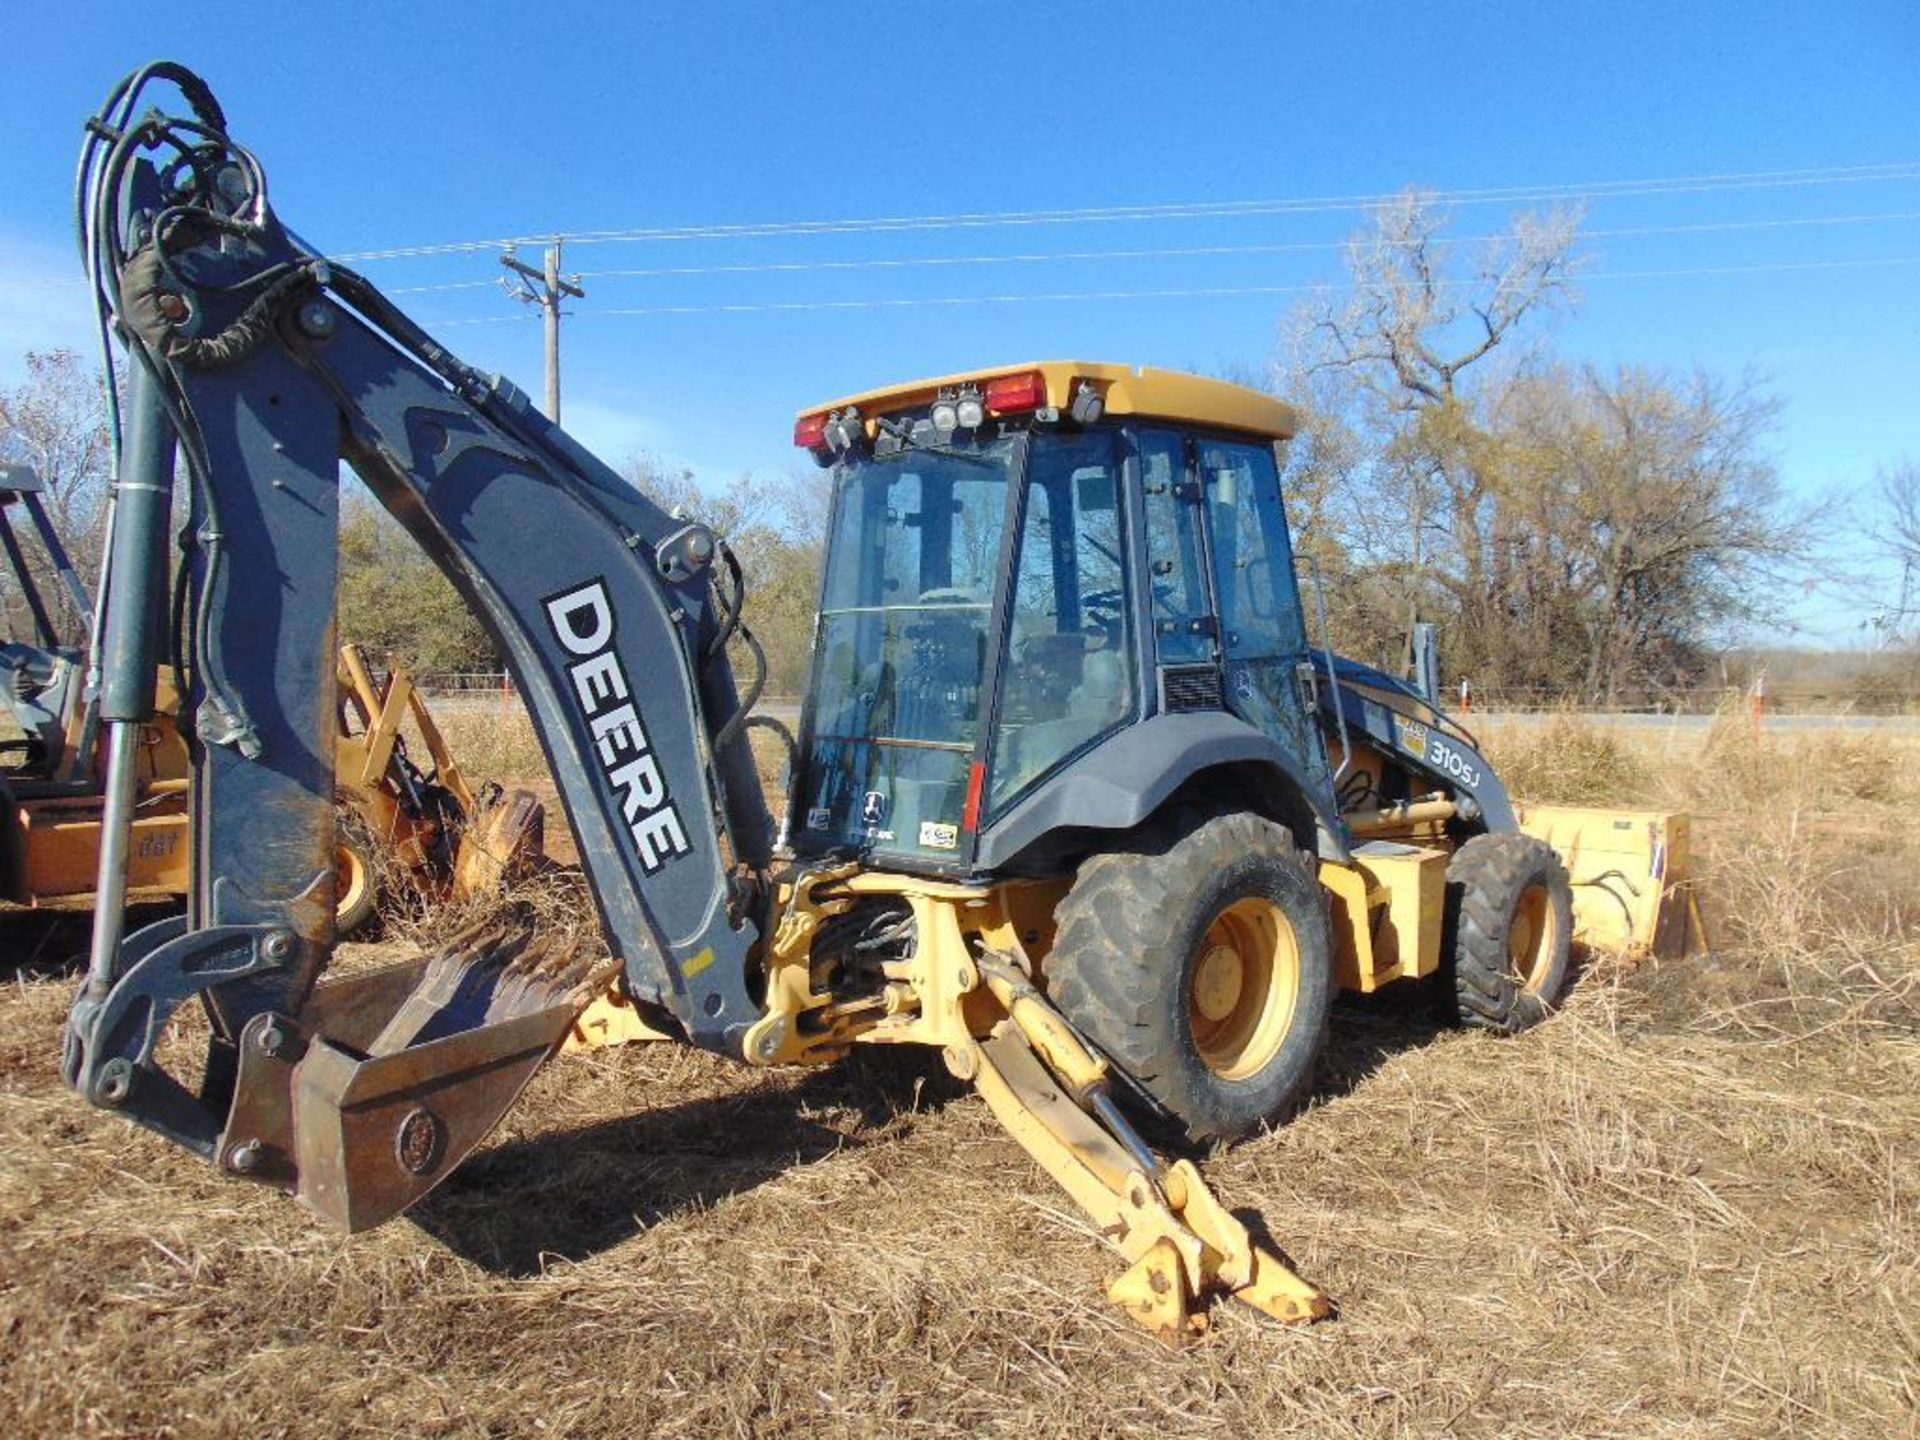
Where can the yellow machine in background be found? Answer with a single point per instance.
(432, 828)
(425, 829)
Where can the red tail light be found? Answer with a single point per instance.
(1025, 391)
(809, 431)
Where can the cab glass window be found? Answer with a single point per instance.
(1173, 551)
(1253, 575)
(1069, 674)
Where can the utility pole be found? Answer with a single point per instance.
(545, 287)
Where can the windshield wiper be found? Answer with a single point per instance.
(902, 436)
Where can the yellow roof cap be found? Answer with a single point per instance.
(1126, 389)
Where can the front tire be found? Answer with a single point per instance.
(1509, 932)
(1199, 959)
(356, 877)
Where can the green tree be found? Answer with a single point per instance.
(1645, 518)
(393, 600)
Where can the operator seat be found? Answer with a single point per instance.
(1091, 708)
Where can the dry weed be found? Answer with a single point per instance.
(1568, 760)
(1687, 1206)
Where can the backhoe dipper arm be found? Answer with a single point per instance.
(269, 365)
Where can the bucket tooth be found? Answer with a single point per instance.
(1277, 1291)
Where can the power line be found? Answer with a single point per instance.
(1149, 253)
(1184, 210)
(1185, 293)
(1158, 253)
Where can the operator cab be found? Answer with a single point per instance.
(984, 626)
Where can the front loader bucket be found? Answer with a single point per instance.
(385, 1081)
(1632, 876)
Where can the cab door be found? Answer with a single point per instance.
(1226, 600)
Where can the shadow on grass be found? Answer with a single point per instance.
(571, 1194)
(44, 944)
(1369, 1030)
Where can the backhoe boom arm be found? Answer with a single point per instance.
(269, 365)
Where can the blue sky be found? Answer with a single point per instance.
(386, 126)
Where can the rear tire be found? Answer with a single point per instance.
(1199, 959)
(1509, 932)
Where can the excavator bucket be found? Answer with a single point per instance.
(504, 834)
(385, 1080)
(1632, 876)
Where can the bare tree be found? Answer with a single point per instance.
(776, 525)
(1414, 322)
(56, 422)
(1894, 535)
(1402, 357)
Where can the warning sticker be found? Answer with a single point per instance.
(936, 836)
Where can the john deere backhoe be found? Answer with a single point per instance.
(1074, 799)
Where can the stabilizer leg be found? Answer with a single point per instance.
(1183, 1246)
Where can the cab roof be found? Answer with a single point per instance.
(1126, 389)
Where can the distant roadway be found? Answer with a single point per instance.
(788, 711)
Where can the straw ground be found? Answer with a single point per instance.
(1688, 1205)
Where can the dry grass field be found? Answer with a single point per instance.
(1687, 1206)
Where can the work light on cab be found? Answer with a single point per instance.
(958, 409)
(845, 431)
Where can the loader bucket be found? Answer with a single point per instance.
(1632, 876)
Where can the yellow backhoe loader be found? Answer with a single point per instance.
(1077, 799)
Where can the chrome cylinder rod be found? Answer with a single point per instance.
(116, 838)
(135, 599)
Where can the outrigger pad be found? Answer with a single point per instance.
(387, 1080)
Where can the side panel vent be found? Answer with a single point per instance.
(1190, 687)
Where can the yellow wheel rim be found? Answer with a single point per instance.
(1531, 938)
(1245, 985)
(351, 878)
